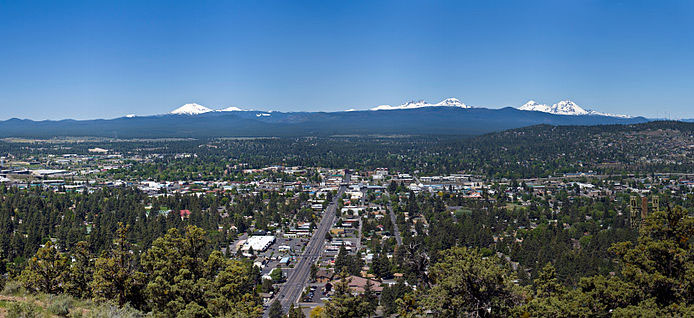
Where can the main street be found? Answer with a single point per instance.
(393, 220)
(291, 290)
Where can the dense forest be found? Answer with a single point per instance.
(30, 218)
(181, 275)
(536, 151)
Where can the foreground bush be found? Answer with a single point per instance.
(60, 305)
(112, 311)
(23, 310)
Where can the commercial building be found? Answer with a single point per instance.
(258, 243)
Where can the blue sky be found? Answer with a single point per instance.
(93, 59)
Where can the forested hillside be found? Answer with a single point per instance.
(537, 151)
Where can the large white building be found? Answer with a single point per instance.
(355, 195)
(258, 243)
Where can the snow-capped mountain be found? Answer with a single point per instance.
(597, 113)
(231, 109)
(565, 107)
(191, 109)
(449, 102)
(532, 105)
(197, 109)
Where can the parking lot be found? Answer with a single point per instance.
(270, 258)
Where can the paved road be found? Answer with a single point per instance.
(291, 290)
(362, 202)
(398, 238)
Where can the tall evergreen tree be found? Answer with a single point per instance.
(275, 310)
(115, 273)
(81, 271)
(295, 312)
(46, 271)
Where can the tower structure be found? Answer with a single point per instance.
(633, 211)
(639, 207)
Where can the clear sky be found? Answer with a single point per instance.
(93, 59)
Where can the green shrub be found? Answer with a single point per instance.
(112, 311)
(60, 305)
(23, 310)
(13, 288)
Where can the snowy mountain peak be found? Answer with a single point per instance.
(191, 109)
(532, 105)
(452, 102)
(449, 102)
(565, 107)
(415, 103)
(231, 109)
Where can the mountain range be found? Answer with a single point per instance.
(448, 117)
(565, 107)
(449, 102)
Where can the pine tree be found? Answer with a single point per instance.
(657, 277)
(184, 277)
(115, 275)
(342, 260)
(391, 294)
(81, 272)
(343, 304)
(295, 312)
(370, 299)
(314, 272)
(381, 266)
(662, 261)
(46, 271)
(392, 187)
(547, 283)
(465, 283)
(275, 310)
